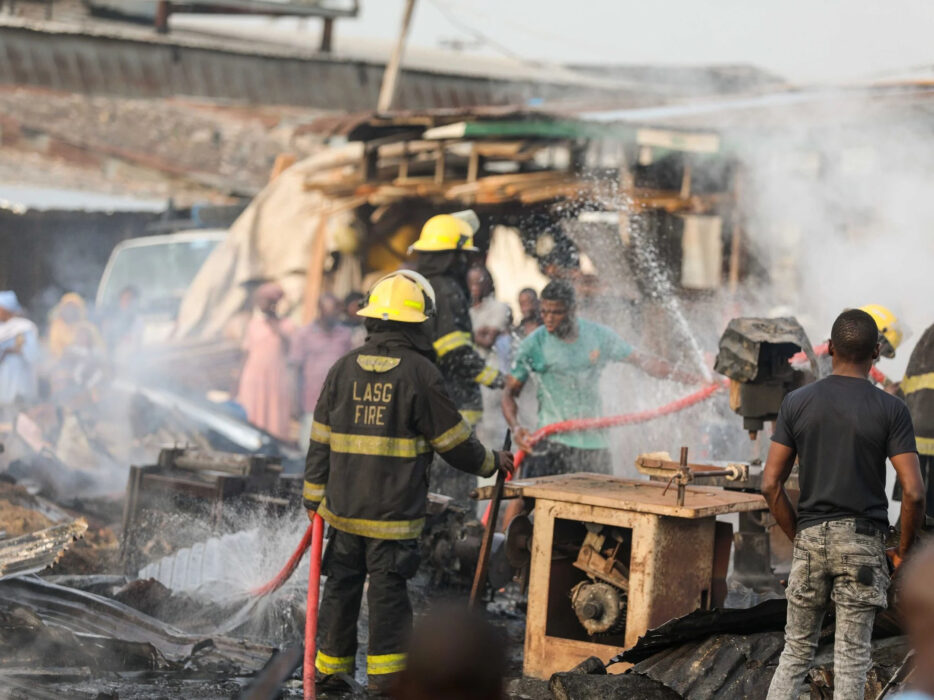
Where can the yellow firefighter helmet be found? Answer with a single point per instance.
(448, 232)
(890, 330)
(404, 296)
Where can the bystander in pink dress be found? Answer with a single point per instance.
(265, 386)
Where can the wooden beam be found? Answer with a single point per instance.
(440, 164)
(736, 240)
(404, 164)
(693, 142)
(387, 92)
(686, 181)
(163, 11)
(327, 35)
(473, 165)
(314, 277)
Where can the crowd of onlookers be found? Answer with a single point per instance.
(286, 365)
(281, 357)
(72, 340)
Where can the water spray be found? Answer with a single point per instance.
(313, 538)
(579, 424)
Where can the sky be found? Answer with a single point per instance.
(805, 41)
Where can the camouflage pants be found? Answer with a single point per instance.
(843, 561)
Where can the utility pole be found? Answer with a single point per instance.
(387, 91)
(163, 10)
(327, 35)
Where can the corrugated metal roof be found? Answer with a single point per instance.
(37, 551)
(416, 58)
(724, 665)
(734, 653)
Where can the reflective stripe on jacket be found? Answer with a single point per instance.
(382, 413)
(918, 388)
(463, 368)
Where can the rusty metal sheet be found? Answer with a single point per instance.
(86, 614)
(38, 550)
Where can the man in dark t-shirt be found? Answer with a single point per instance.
(841, 429)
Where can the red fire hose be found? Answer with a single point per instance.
(313, 537)
(579, 424)
(289, 568)
(311, 608)
(800, 358)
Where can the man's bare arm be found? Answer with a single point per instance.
(908, 472)
(511, 412)
(777, 468)
(661, 369)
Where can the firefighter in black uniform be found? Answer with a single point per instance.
(918, 390)
(443, 248)
(382, 413)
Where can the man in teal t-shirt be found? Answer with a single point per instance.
(568, 355)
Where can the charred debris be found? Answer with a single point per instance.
(148, 594)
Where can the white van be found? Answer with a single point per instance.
(160, 268)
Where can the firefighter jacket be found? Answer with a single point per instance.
(382, 413)
(918, 388)
(463, 368)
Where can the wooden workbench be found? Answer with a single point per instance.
(670, 567)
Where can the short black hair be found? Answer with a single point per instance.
(487, 277)
(528, 290)
(559, 290)
(854, 336)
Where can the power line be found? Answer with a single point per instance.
(479, 35)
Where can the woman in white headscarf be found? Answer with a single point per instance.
(19, 352)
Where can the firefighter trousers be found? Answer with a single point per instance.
(347, 561)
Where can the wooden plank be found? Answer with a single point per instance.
(404, 149)
(675, 559)
(565, 654)
(686, 182)
(440, 164)
(697, 142)
(473, 166)
(637, 496)
(510, 178)
(314, 274)
(535, 659)
(569, 191)
(448, 131)
(387, 91)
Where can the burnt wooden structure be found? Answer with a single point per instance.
(668, 552)
(216, 486)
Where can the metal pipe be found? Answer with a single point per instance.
(685, 474)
